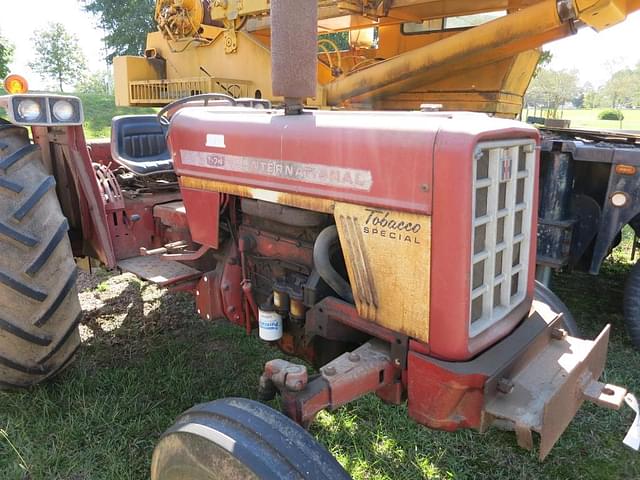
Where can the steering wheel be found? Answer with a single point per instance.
(164, 115)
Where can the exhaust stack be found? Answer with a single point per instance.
(294, 51)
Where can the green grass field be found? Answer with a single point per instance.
(99, 110)
(588, 118)
(146, 357)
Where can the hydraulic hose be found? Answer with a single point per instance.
(322, 261)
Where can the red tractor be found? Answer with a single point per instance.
(394, 251)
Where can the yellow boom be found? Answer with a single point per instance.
(474, 55)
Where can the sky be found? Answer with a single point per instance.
(594, 55)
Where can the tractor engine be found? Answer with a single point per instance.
(278, 244)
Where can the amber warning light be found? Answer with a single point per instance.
(15, 85)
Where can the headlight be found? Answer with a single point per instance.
(45, 110)
(29, 110)
(63, 110)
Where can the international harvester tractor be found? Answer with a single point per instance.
(393, 251)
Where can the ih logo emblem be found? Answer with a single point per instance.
(505, 166)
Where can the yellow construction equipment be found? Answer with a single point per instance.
(476, 55)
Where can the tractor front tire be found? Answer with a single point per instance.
(39, 305)
(238, 438)
(544, 295)
(631, 304)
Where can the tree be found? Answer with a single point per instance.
(58, 55)
(545, 59)
(622, 88)
(126, 24)
(591, 96)
(6, 55)
(552, 89)
(100, 82)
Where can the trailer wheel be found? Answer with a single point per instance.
(237, 438)
(631, 305)
(39, 306)
(545, 295)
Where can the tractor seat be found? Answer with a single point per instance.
(138, 143)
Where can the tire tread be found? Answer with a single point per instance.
(631, 304)
(43, 341)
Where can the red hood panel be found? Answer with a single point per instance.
(382, 159)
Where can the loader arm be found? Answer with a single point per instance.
(471, 65)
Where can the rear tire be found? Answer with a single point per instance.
(237, 438)
(39, 306)
(631, 304)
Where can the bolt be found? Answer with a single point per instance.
(197, 293)
(208, 317)
(424, 187)
(505, 386)
(558, 333)
(206, 279)
(199, 312)
(225, 287)
(329, 371)
(397, 362)
(354, 357)
(231, 309)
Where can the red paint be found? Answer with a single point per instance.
(95, 227)
(451, 239)
(395, 147)
(170, 217)
(100, 151)
(203, 214)
(268, 245)
(231, 285)
(148, 232)
(442, 399)
(208, 293)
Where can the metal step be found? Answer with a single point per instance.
(156, 270)
(172, 214)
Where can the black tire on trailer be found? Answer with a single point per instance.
(39, 306)
(631, 305)
(545, 295)
(237, 438)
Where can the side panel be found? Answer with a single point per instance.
(203, 215)
(387, 254)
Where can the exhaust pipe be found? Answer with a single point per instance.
(294, 51)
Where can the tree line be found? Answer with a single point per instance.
(59, 57)
(553, 90)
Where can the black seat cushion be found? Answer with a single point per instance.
(139, 144)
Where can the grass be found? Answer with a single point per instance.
(146, 357)
(588, 118)
(99, 110)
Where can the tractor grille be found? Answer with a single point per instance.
(502, 207)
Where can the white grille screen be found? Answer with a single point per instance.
(502, 203)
